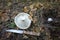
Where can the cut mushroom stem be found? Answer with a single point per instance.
(32, 33)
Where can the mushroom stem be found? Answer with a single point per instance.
(31, 33)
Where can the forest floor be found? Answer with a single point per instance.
(39, 11)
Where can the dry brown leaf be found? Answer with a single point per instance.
(0, 13)
(41, 29)
(4, 17)
(33, 9)
(8, 35)
(30, 18)
(38, 5)
(25, 9)
(14, 14)
(31, 6)
(9, 4)
(47, 5)
(36, 29)
(31, 14)
(25, 36)
(34, 20)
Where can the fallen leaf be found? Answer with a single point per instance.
(31, 13)
(30, 18)
(31, 6)
(38, 5)
(25, 36)
(9, 4)
(25, 9)
(33, 9)
(47, 5)
(8, 35)
(4, 17)
(34, 20)
(14, 14)
(36, 29)
(41, 29)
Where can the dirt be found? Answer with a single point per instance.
(39, 11)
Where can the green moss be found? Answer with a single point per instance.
(11, 25)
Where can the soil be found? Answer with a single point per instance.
(40, 11)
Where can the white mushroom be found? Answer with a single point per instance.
(22, 20)
(50, 19)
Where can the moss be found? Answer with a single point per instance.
(11, 25)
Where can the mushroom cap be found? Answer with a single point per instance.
(22, 20)
(50, 19)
